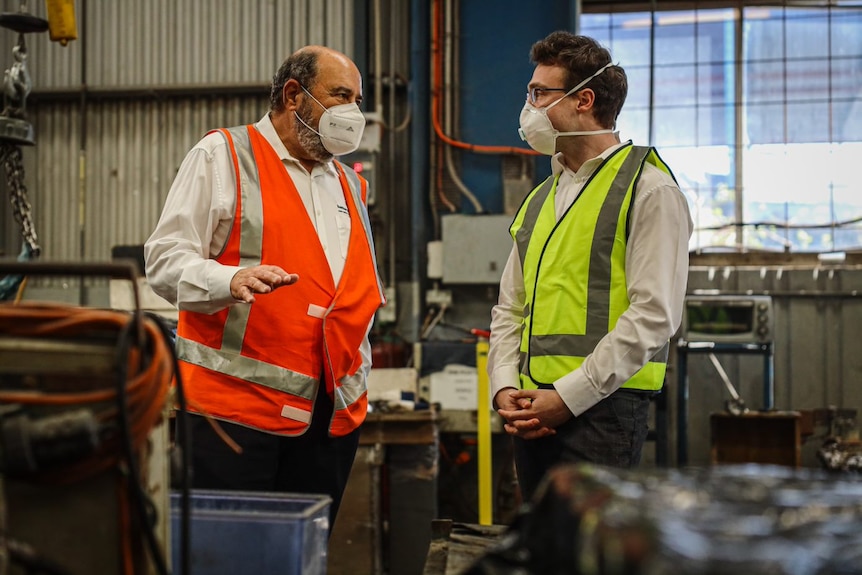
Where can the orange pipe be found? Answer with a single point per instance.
(436, 93)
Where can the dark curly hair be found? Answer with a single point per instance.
(582, 56)
(300, 66)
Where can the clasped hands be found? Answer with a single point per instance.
(259, 279)
(531, 413)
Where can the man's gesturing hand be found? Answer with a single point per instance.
(259, 279)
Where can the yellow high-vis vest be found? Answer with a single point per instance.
(574, 271)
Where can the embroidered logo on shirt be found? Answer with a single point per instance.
(343, 210)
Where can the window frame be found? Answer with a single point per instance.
(741, 104)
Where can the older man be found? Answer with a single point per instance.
(265, 247)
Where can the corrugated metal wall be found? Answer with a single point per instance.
(130, 43)
(818, 340)
(104, 159)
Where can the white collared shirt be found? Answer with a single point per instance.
(656, 276)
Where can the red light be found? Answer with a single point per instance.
(357, 167)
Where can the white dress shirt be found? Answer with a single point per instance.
(198, 215)
(656, 275)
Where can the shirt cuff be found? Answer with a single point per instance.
(577, 392)
(502, 377)
(218, 283)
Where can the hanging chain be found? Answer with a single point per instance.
(12, 159)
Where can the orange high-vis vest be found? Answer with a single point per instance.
(260, 365)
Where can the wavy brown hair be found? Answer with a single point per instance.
(582, 56)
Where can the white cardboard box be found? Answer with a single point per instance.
(122, 296)
(387, 383)
(456, 387)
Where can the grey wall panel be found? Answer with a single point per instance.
(170, 43)
(133, 150)
(189, 42)
(339, 25)
(138, 152)
(303, 22)
(850, 334)
(53, 180)
(133, 147)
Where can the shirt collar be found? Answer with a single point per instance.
(588, 167)
(267, 130)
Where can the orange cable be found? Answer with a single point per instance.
(435, 97)
(20, 293)
(438, 148)
(147, 386)
(216, 427)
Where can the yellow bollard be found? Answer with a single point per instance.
(483, 431)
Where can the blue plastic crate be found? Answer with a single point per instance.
(260, 533)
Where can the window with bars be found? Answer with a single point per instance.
(756, 109)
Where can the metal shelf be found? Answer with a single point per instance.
(686, 347)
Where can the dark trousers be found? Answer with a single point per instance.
(611, 433)
(310, 463)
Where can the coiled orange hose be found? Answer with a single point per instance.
(147, 386)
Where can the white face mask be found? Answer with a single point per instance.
(537, 130)
(340, 127)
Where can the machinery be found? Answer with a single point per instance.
(83, 392)
(84, 395)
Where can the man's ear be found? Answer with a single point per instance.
(289, 94)
(586, 98)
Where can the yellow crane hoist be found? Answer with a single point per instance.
(61, 21)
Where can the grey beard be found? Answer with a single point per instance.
(309, 140)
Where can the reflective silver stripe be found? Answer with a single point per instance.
(576, 346)
(522, 236)
(599, 286)
(662, 354)
(522, 358)
(356, 190)
(246, 368)
(251, 238)
(290, 412)
(351, 389)
(565, 344)
(234, 328)
(251, 232)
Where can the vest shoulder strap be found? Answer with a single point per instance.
(528, 214)
(356, 183)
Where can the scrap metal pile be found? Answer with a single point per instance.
(741, 519)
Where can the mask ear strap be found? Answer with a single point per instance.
(306, 125)
(312, 97)
(582, 84)
(585, 133)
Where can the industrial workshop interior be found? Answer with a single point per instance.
(741, 353)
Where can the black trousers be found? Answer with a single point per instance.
(310, 463)
(611, 433)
